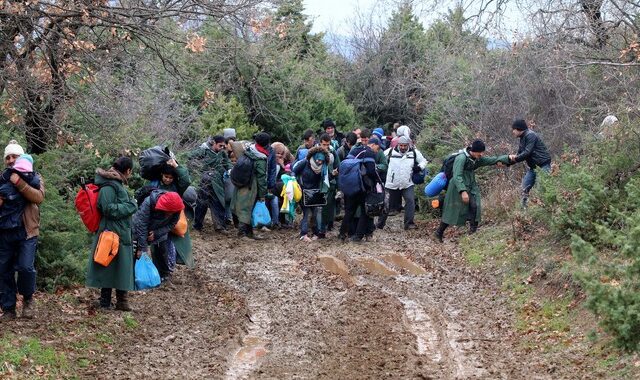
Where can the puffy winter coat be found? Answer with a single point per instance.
(400, 167)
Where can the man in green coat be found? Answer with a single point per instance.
(116, 208)
(462, 201)
(244, 198)
(212, 163)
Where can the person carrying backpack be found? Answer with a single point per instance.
(117, 208)
(212, 162)
(250, 180)
(313, 176)
(357, 177)
(399, 184)
(462, 201)
(18, 242)
(152, 223)
(531, 150)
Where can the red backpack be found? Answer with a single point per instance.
(87, 206)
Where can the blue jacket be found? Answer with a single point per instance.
(306, 177)
(13, 204)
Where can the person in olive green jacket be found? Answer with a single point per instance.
(244, 198)
(212, 161)
(462, 201)
(116, 207)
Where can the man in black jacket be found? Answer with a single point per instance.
(533, 151)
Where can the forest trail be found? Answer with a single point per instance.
(399, 306)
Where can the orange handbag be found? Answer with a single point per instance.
(107, 248)
(181, 227)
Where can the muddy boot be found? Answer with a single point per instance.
(9, 315)
(122, 301)
(105, 299)
(28, 311)
(440, 232)
(473, 228)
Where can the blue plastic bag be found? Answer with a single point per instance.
(436, 185)
(260, 215)
(147, 275)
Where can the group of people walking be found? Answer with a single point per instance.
(360, 178)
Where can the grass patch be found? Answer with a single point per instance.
(28, 355)
(129, 321)
(487, 244)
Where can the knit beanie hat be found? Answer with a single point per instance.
(378, 132)
(13, 148)
(520, 125)
(24, 163)
(170, 202)
(478, 146)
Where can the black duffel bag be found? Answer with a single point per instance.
(151, 161)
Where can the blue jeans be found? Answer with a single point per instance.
(307, 213)
(17, 254)
(529, 181)
(274, 210)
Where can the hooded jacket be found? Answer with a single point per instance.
(400, 167)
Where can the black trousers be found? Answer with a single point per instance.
(351, 205)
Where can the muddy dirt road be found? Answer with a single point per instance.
(397, 307)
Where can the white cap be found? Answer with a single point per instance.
(13, 148)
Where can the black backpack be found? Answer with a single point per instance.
(447, 166)
(242, 173)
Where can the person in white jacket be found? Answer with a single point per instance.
(399, 185)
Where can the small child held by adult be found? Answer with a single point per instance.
(11, 202)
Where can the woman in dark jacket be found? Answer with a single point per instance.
(312, 174)
(157, 216)
(116, 208)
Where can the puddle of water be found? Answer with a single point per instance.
(334, 265)
(254, 347)
(403, 262)
(375, 267)
(423, 328)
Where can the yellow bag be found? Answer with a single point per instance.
(297, 191)
(107, 248)
(180, 228)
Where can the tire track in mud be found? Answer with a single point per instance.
(395, 308)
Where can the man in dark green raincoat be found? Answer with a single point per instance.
(244, 198)
(212, 161)
(462, 201)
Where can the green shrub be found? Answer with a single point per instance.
(595, 199)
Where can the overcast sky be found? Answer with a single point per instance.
(335, 16)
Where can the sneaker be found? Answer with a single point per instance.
(265, 229)
(27, 309)
(8, 315)
(257, 237)
(305, 238)
(356, 239)
(410, 227)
